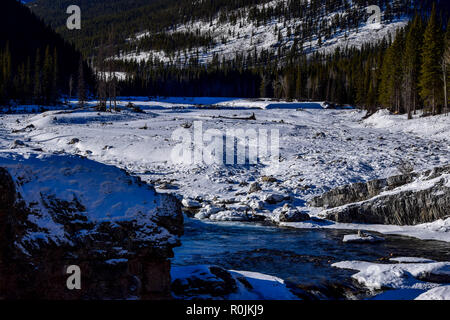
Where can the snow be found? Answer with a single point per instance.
(105, 194)
(411, 260)
(403, 276)
(362, 238)
(246, 37)
(439, 293)
(319, 149)
(266, 287)
(436, 127)
(263, 287)
(438, 230)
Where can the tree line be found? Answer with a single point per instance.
(36, 65)
(403, 72)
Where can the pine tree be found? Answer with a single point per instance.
(55, 75)
(391, 73)
(47, 76)
(81, 85)
(298, 83)
(37, 93)
(411, 66)
(430, 81)
(445, 66)
(263, 87)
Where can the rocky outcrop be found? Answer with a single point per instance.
(359, 191)
(401, 200)
(60, 211)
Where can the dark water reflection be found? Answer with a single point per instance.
(297, 255)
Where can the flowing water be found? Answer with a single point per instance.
(297, 255)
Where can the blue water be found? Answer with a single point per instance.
(297, 255)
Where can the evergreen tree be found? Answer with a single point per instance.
(411, 66)
(37, 93)
(81, 85)
(391, 73)
(430, 76)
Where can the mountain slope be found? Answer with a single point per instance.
(176, 30)
(35, 62)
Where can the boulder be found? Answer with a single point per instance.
(274, 198)
(59, 211)
(191, 204)
(254, 187)
(290, 214)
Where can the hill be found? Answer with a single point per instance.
(36, 63)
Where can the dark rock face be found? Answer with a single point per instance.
(213, 281)
(118, 259)
(405, 206)
(359, 191)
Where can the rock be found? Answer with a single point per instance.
(426, 199)
(273, 198)
(186, 125)
(362, 237)
(319, 135)
(268, 179)
(74, 141)
(256, 204)
(290, 214)
(191, 204)
(198, 281)
(293, 216)
(437, 275)
(359, 191)
(229, 215)
(254, 187)
(123, 252)
(207, 211)
(17, 144)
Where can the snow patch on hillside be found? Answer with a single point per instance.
(244, 37)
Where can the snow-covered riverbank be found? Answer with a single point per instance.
(319, 149)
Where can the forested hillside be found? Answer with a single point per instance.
(309, 50)
(36, 64)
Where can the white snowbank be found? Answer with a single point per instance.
(438, 230)
(94, 190)
(435, 127)
(439, 293)
(403, 276)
